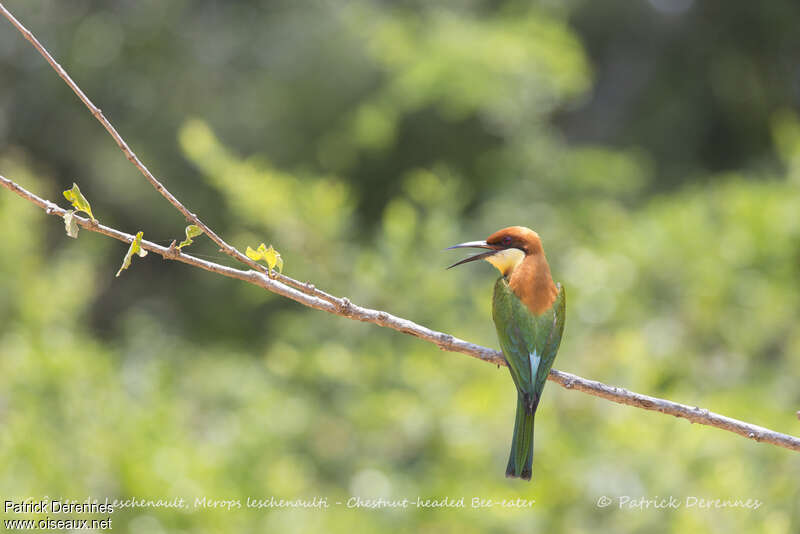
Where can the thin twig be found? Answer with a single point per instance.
(345, 308)
(134, 159)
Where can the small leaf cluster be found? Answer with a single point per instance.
(268, 255)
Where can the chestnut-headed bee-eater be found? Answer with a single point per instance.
(528, 309)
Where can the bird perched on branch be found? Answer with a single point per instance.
(528, 309)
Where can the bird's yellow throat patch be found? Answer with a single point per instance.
(506, 260)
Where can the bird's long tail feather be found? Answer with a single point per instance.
(520, 461)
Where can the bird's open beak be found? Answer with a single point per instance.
(474, 244)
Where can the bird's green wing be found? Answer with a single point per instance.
(529, 342)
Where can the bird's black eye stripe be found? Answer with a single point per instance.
(507, 240)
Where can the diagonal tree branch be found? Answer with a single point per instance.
(308, 295)
(345, 308)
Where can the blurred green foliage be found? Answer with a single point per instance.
(361, 138)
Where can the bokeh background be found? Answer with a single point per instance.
(655, 145)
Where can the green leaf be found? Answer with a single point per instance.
(78, 201)
(135, 248)
(270, 256)
(191, 231)
(252, 254)
(70, 224)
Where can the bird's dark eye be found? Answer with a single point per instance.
(507, 240)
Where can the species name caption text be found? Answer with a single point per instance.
(323, 503)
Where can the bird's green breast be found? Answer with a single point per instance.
(529, 342)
